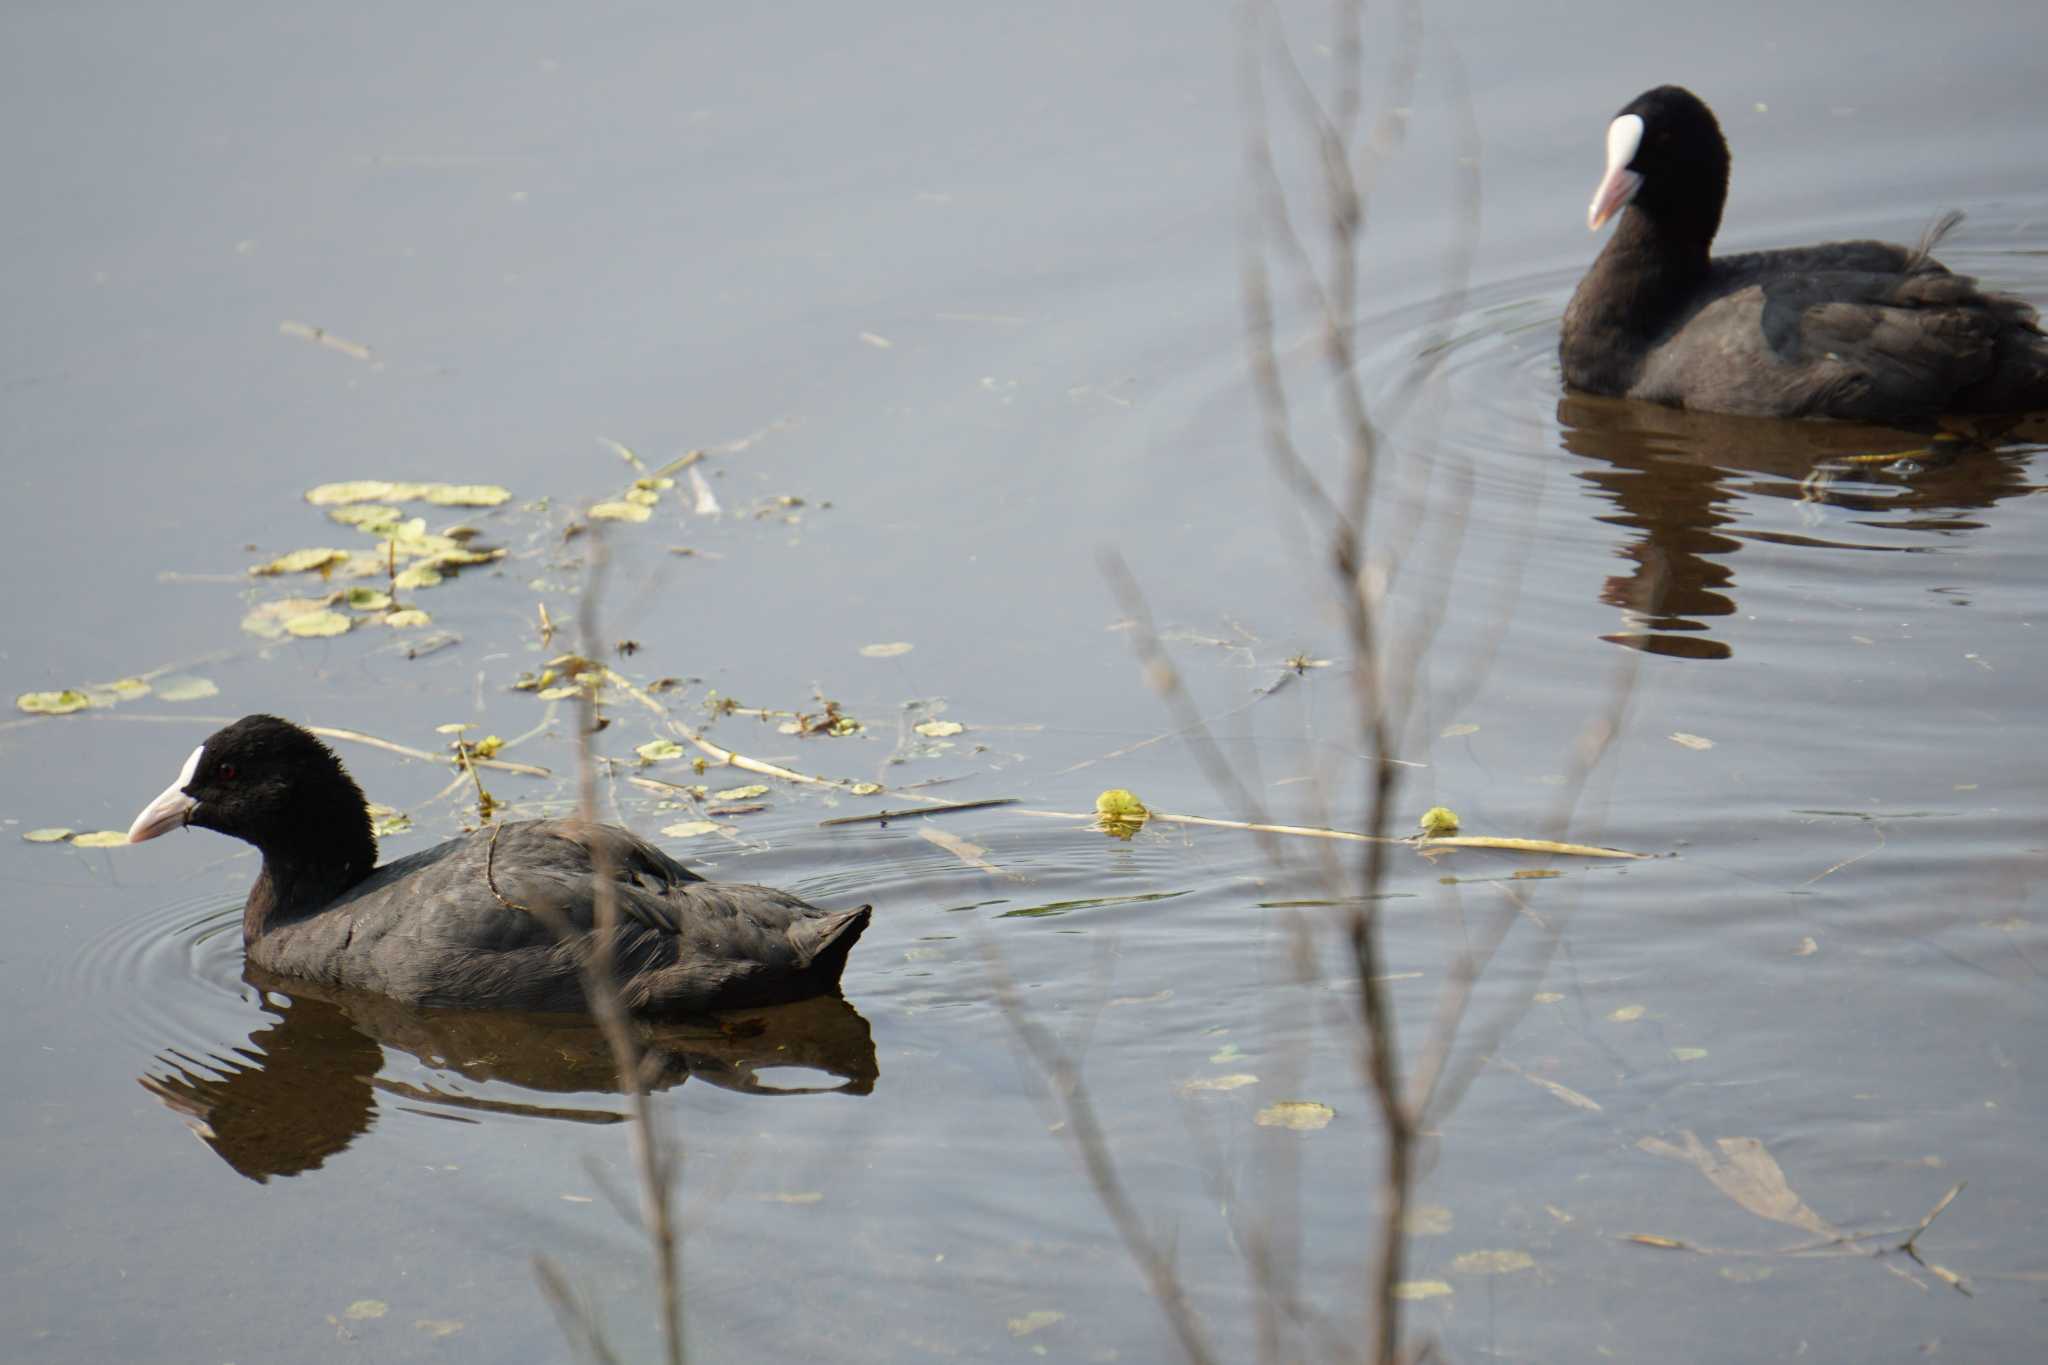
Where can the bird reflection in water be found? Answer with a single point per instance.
(1676, 479)
(306, 1083)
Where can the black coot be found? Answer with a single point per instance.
(1860, 330)
(472, 921)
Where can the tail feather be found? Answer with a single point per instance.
(1930, 239)
(823, 943)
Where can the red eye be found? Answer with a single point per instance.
(226, 772)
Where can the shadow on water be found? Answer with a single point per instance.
(1676, 478)
(305, 1085)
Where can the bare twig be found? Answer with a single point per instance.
(650, 1158)
(406, 750)
(579, 1324)
(943, 808)
(1063, 1077)
(653, 1162)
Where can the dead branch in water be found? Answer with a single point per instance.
(1364, 518)
(655, 1163)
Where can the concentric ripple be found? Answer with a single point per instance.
(171, 974)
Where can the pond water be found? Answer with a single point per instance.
(949, 299)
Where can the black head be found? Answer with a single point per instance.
(271, 783)
(1667, 160)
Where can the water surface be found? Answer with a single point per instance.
(966, 284)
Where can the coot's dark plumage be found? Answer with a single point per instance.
(472, 922)
(1860, 330)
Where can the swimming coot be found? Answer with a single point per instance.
(1861, 330)
(472, 921)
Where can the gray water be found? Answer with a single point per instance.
(965, 282)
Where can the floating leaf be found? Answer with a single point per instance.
(1413, 1290)
(317, 623)
(1807, 947)
(1303, 1116)
(1035, 1322)
(619, 511)
(414, 541)
(1563, 1092)
(655, 750)
(417, 576)
(644, 497)
(186, 689)
(364, 1309)
(799, 1197)
(560, 693)
(367, 515)
(938, 729)
(407, 619)
(654, 485)
(690, 829)
(1156, 998)
(367, 599)
(1745, 1171)
(1567, 1094)
(300, 561)
(363, 564)
(271, 619)
(128, 689)
(1457, 731)
(747, 793)
(1428, 1220)
(53, 703)
(439, 1327)
(1627, 1014)
(100, 838)
(1688, 1054)
(1119, 814)
(385, 490)
(388, 820)
(358, 490)
(1547, 997)
(1493, 1262)
(453, 727)
(465, 494)
(54, 835)
(888, 651)
(1118, 804)
(1691, 741)
(1438, 821)
(866, 788)
(1204, 1084)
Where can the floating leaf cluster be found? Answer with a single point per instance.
(94, 696)
(384, 490)
(1438, 821)
(1120, 814)
(98, 838)
(405, 555)
(637, 503)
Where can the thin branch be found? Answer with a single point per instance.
(1063, 1078)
